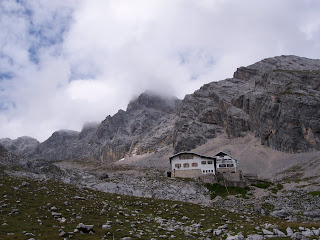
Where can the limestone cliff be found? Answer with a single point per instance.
(277, 99)
(145, 126)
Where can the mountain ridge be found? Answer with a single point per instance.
(276, 99)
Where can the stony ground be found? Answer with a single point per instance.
(47, 209)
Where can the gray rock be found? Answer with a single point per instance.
(62, 234)
(307, 233)
(106, 226)
(299, 235)
(289, 231)
(85, 228)
(217, 232)
(266, 232)
(255, 237)
(280, 214)
(279, 233)
(25, 184)
(316, 232)
(103, 176)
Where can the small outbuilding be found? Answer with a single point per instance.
(225, 163)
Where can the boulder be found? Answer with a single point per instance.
(85, 228)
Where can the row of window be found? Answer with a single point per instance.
(205, 162)
(186, 156)
(226, 165)
(186, 165)
(224, 161)
(207, 171)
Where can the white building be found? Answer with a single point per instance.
(225, 163)
(188, 164)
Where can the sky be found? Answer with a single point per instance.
(64, 63)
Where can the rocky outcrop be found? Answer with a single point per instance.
(277, 99)
(67, 144)
(22, 146)
(6, 157)
(145, 126)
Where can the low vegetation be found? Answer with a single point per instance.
(315, 193)
(47, 209)
(262, 184)
(217, 189)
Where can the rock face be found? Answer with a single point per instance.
(6, 157)
(146, 125)
(277, 99)
(67, 144)
(21, 146)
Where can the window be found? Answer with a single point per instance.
(178, 165)
(186, 156)
(203, 162)
(209, 162)
(222, 165)
(229, 165)
(186, 165)
(203, 171)
(194, 164)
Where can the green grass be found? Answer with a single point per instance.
(262, 184)
(35, 201)
(315, 193)
(217, 189)
(276, 188)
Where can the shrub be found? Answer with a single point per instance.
(279, 186)
(315, 193)
(262, 184)
(217, 189)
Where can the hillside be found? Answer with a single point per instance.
(52, 210)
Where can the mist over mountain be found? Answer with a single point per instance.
(277, 100)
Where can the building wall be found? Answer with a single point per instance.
(204, 168)
(231, 176)
(226, 170)
(191, 173)
(226, 160)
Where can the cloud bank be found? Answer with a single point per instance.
(67, 62)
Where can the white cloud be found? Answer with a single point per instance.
(74, 61)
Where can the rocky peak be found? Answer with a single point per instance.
(88, 130)
(146, 125)
(152, 100)
(63, 135)
(277, 99)
(20, 146)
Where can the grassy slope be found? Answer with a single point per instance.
(34, 215)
